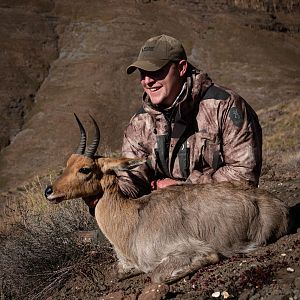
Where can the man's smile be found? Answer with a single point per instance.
(153, 89)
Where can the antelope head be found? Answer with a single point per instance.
(80, 177)
(84, 175)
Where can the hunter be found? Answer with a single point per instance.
(189, 129)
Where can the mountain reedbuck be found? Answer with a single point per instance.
(172, 231)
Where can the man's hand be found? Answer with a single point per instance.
(162, 183)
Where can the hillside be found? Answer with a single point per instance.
(60, 56)
(79, 66)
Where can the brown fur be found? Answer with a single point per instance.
(177, 230)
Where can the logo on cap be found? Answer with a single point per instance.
(147, 48)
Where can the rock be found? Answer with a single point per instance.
(216, 294)
(154, 292)
(225, 295)
(119, 295)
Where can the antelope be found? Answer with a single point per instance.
(171, 232)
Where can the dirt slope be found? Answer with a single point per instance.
(97, 40)
(28, 45)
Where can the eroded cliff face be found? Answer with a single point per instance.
(28, 46)
(66, 56)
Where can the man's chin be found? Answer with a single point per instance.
(158, 102)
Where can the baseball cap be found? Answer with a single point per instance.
(157, 52)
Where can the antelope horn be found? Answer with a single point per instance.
(91, 150)
(82, 144)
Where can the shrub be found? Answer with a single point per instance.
(40, 252)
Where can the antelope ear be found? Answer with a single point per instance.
(122, 164)
(130, 164)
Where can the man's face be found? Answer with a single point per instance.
(164, 85)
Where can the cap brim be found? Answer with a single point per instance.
(146, 65)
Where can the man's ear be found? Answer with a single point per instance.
(182, 65)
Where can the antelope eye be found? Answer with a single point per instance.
(85, 170)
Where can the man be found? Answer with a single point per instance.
(189, 129)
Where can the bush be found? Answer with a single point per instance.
(40, 252)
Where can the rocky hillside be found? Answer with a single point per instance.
(62, 57)
(28, 46)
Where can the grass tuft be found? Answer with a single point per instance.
(40, 251)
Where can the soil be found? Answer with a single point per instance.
(75, 62)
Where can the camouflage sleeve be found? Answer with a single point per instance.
(135, 183)
(240, 145)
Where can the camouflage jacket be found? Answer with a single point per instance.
(210, 134)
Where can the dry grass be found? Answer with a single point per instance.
(281, 147)
(281, 127)
(268, 6)
(40, 252)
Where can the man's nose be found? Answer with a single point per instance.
(148, 80)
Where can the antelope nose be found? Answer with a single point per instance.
(48, 191)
